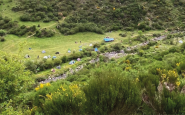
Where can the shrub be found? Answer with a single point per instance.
(57, 61)
(25, 17)
(109, 92)
(14, 78)
(123, 35)
(31, 66)
(2, 33)
(102, 49)
(48, 64)
(174, 49)
(2, 39)
(103, 58)
(59, 98)
(46, 19)
(141, 52)
(117, 46)
(96, 45)
(94, 54)
(64, 59)
(6, 19)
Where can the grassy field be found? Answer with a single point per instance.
(58, 43)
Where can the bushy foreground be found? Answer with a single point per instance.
(128, 85)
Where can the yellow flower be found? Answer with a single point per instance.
(48, 84)
(37, 88)
(163, 75)
(49, 96)
(177, 83)
(63, 89)
(177, 64)
(66, 94)
(41, 85)
(137, 79)
(127, 68)
(127, 61)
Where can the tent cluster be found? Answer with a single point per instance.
(46, 57)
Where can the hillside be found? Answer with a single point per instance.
(54, 59)
(107, 15)
(102, 16)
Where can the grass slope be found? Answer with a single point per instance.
(61, 43)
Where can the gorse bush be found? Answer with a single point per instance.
(58, 99)
(111, 93)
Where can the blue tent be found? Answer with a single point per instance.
(80, 49)
(43, 51)
(58, 67)
(54, 57)
(108, 39)
(96, 49)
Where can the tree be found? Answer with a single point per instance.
(14, 78)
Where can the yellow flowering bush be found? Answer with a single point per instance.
(127, 68)
(49, 96)
(170, 76)
(42, 85)
(69, 97)
(127, 61)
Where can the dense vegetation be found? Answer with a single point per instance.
(110, 88)
(105, 15)
(146, 81)
(12, 27)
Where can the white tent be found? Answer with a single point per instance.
(180, 41)
(45, 57)
(26, 56)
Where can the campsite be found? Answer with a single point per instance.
(81, 57)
